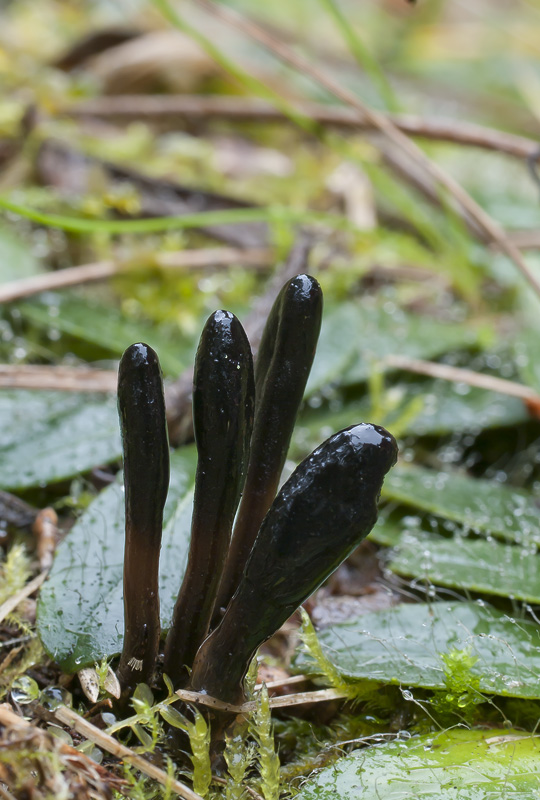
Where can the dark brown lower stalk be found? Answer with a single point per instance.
(321, 514)
(223, 399)
(146, 481)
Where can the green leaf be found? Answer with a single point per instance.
(446, 408)
(143, 698)
(475, 565)
(404, 645)
(353, 336)
(527, 355)
(80, 609)
(173, 717)
(24, 412)
(16, 257)
(454, 407)
(388, 532)
(391, 329)
(337, 348)
(470, 765)
(486, 507)
(49, 436)
(103, 325)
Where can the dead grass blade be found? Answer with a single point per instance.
(284, 701)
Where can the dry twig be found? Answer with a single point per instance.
(176, 108)
(70, 718)
(12, 602)
(525, 240)
(55, 378)
(459, 375)
(208, 258)
(290, 679)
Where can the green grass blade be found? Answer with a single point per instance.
(362, 55)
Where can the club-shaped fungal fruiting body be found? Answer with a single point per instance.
(141, 407)
(324, 510)
(237, 592)
(223, 401)
(282, 368)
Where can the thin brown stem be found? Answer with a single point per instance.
(175, 109)
(209, 258)
(525, 240)
(458, 375)
(58, 378)
(12, 602)
(70, 718)
(282, 701)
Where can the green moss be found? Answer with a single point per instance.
(462, 693)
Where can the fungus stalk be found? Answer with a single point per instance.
(141, 407)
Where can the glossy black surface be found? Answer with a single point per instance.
(223, 403)
(323, 511)
(283, 364)
(146, 480)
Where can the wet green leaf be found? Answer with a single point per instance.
(453, 407)
(48, 436)
(337, 348)
(101, 324)
(445, 408)
(354, 336)
(16, 257)
(469, 765)
(80, 610)
(24, 413)
(472, 564)
(527, 355)
(389, 532)
(486, 507)
(404, 645)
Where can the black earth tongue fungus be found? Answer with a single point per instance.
(146, 480)
(282, 368)
(324, 510)
(223, 407)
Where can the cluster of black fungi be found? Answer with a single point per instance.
(254, 557)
